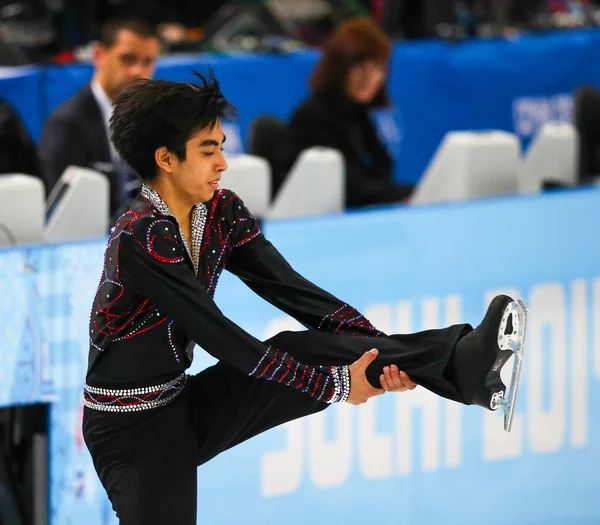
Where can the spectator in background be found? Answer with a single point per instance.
(349, 81)
(17, 149)
(76, 133)
(587, 121)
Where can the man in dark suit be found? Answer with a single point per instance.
(76, 133)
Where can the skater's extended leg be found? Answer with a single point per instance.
(424, 356)
(457, 362)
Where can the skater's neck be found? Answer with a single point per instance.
(180, 203)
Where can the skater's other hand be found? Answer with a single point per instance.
(360, 388)
(392, 380)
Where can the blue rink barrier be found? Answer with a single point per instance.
(513, 85)
(401, 459)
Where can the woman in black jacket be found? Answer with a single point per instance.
(346, 84)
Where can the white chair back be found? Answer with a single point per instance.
(249, 177)
(21, 209)
(315, 185)
(551, 157)
(78, 206)
(469, 165)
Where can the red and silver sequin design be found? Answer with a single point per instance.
(113, 318)
(341, 384)
(222, 232)
(279, 366)
(108, 319)
(199, 214)
(212, 233)
(132, 399)
(348, 320)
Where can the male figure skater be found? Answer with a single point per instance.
(147, 424)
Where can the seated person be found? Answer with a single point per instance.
(17, 149)
(348, 82)
(587, 115)
(76, 133)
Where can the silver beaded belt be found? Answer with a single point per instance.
(133, 399)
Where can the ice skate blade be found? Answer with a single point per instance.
(514, 342)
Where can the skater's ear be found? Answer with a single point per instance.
(164, 159)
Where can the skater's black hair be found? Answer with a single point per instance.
(155, 113)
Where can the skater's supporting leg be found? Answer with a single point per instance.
(230, 407)
(146, 462)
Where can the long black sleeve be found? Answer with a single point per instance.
(260, 266)
(152, 260)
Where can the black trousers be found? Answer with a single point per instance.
(147, 460)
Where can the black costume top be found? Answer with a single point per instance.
(154, 302)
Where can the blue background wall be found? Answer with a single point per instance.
(514, 85)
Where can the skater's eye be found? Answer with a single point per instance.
(210, 153)
(213, 145)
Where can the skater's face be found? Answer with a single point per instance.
(197, 177)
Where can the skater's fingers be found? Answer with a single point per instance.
(407, 381)
(393, 380)
(367, 358)
(387, 383)
(384, 383)
(393, 377)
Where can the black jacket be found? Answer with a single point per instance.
(347, 127)
(17, 149)
(74, 134)
(151, 305)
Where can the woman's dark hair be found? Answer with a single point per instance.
(354, 41)
(151, 114)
